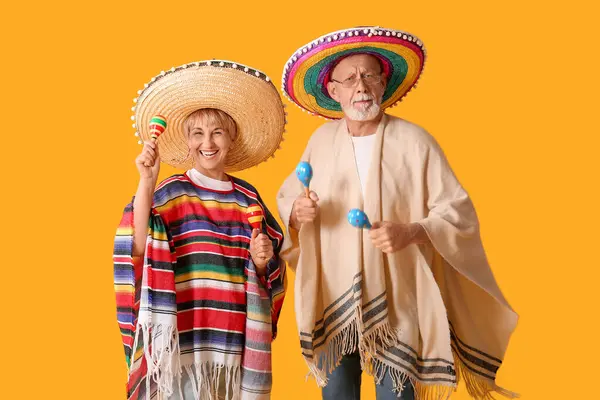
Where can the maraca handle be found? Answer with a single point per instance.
(307, 192)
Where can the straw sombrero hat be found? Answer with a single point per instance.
(307, 72)
(245, 93)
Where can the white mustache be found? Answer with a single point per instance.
(362, 97)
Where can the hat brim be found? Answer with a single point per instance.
(307, 72)
(246, 94)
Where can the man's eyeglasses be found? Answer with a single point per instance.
(368, 79)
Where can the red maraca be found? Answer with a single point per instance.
(158, 124)
(255, 216)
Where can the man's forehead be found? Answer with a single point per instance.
(366, 61)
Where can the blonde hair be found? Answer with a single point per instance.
(214, 116)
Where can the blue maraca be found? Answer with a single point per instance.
(358, 219)
(304, 173)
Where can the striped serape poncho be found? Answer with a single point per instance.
(194, 304)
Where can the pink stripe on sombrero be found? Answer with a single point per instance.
(375, 38)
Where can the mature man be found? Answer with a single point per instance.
(412, 299)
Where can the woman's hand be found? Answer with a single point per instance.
(261, 251)
(148, 162)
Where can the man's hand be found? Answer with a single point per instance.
(304, 210)
(391, 237)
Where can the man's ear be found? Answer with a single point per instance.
(332, 90)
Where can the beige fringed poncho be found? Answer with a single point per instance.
(427, 313)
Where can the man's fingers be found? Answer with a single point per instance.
(377, 224)
(306, 213)
(377, 233)
(306, 204)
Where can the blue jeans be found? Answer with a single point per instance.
(344, 383)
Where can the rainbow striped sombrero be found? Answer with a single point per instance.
(308, 70)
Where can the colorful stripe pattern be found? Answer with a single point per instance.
(158, 124)
(308, 71)
(255, 215)
(197, 272)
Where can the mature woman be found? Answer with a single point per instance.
(198, 289)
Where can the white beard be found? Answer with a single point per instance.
(367, 114)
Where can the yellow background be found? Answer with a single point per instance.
(509, 90)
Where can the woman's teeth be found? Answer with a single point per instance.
(208, 153)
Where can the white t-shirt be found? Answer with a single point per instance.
(363, 153)
(209, 183)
